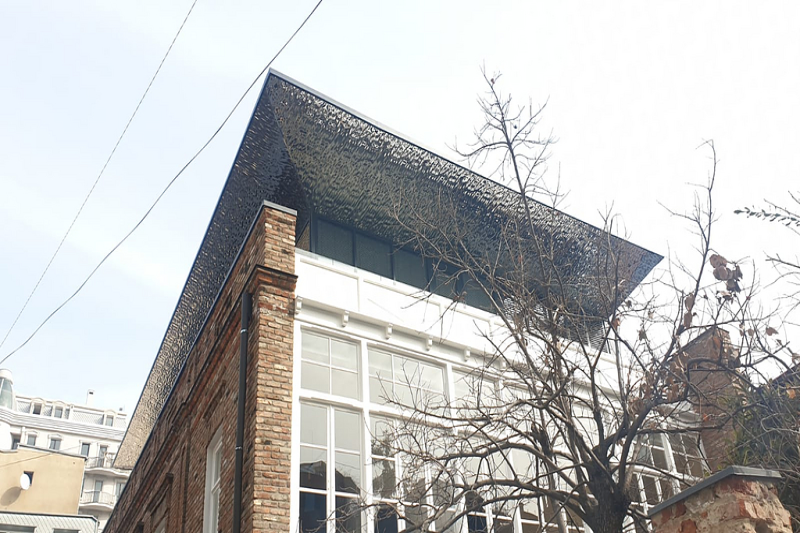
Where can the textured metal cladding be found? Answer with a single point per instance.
(307, 153)
(262, 170)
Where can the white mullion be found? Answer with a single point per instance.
(669, 452)
(331, 489)
(368, 489)
(450, 382)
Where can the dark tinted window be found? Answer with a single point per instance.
(373, 255)
(335, 242)
(410, 268)
(313, 512)
(445, 280)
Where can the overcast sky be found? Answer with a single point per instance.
(633, 87)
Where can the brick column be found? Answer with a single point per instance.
(736, 500)
(270, 373)
(710, 372)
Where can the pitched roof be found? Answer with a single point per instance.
(307, 152)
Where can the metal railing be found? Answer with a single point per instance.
(101, 461)
(98, 496)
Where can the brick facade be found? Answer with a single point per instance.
(733, 503)
(169, 478)
(712, 376)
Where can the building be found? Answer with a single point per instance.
(11, 522)
(91, 434)
(34, 480)
(302, 274)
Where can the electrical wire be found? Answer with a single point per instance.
(100, 175)
(164, 191)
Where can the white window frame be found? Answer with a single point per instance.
(213, 486)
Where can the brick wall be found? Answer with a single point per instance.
(711, 374)
(734, 503)
(169, 477)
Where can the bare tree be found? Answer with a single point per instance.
(557, 422)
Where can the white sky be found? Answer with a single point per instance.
(633, 88)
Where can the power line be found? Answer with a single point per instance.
(100, 175)
(164, 191)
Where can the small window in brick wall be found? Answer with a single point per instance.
(213, 474)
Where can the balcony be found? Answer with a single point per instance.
(96, 499)
(101, 461)
(105, 463)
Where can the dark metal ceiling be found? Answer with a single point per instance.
(307, 152)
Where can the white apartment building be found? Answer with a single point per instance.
(83, 430)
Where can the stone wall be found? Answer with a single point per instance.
(168, 481)
(736, 500)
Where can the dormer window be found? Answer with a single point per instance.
(36, 408)
(109, 420)
(58, 412)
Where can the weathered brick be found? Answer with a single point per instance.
(171, 467)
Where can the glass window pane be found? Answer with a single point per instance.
(315, 377)
(446, 518)
(690, 445)
(415, 516)
(373, 255)
(502, 525)
(313, 511)
(348, 472)
(650, 491)
(380, 365)
(335, 242)
(409, 268)
(345, 383)
(432, 377)
(406, 370)
(348, 430)
(383, 478)
(696, 467)
(315, 348)
(313, 468)
(385, 520)
(676, 443)
(659, 458)
(475, 296)
(344, 354)
(445, 280)
(379, 390)
(380, 433)
(476, 524)
(666, 489)
(403, 395)
(348, 515)
(313, 424)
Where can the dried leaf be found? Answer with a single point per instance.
(737, 273)
(717, 261)
(722, 273)
(642, 335)
(615, 323)
(628, 304)
(791, 393)
(687, 319)
(771, 331)
(689, 302)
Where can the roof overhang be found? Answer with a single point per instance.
(309, 153)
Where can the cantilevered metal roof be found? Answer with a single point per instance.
(307, 152)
